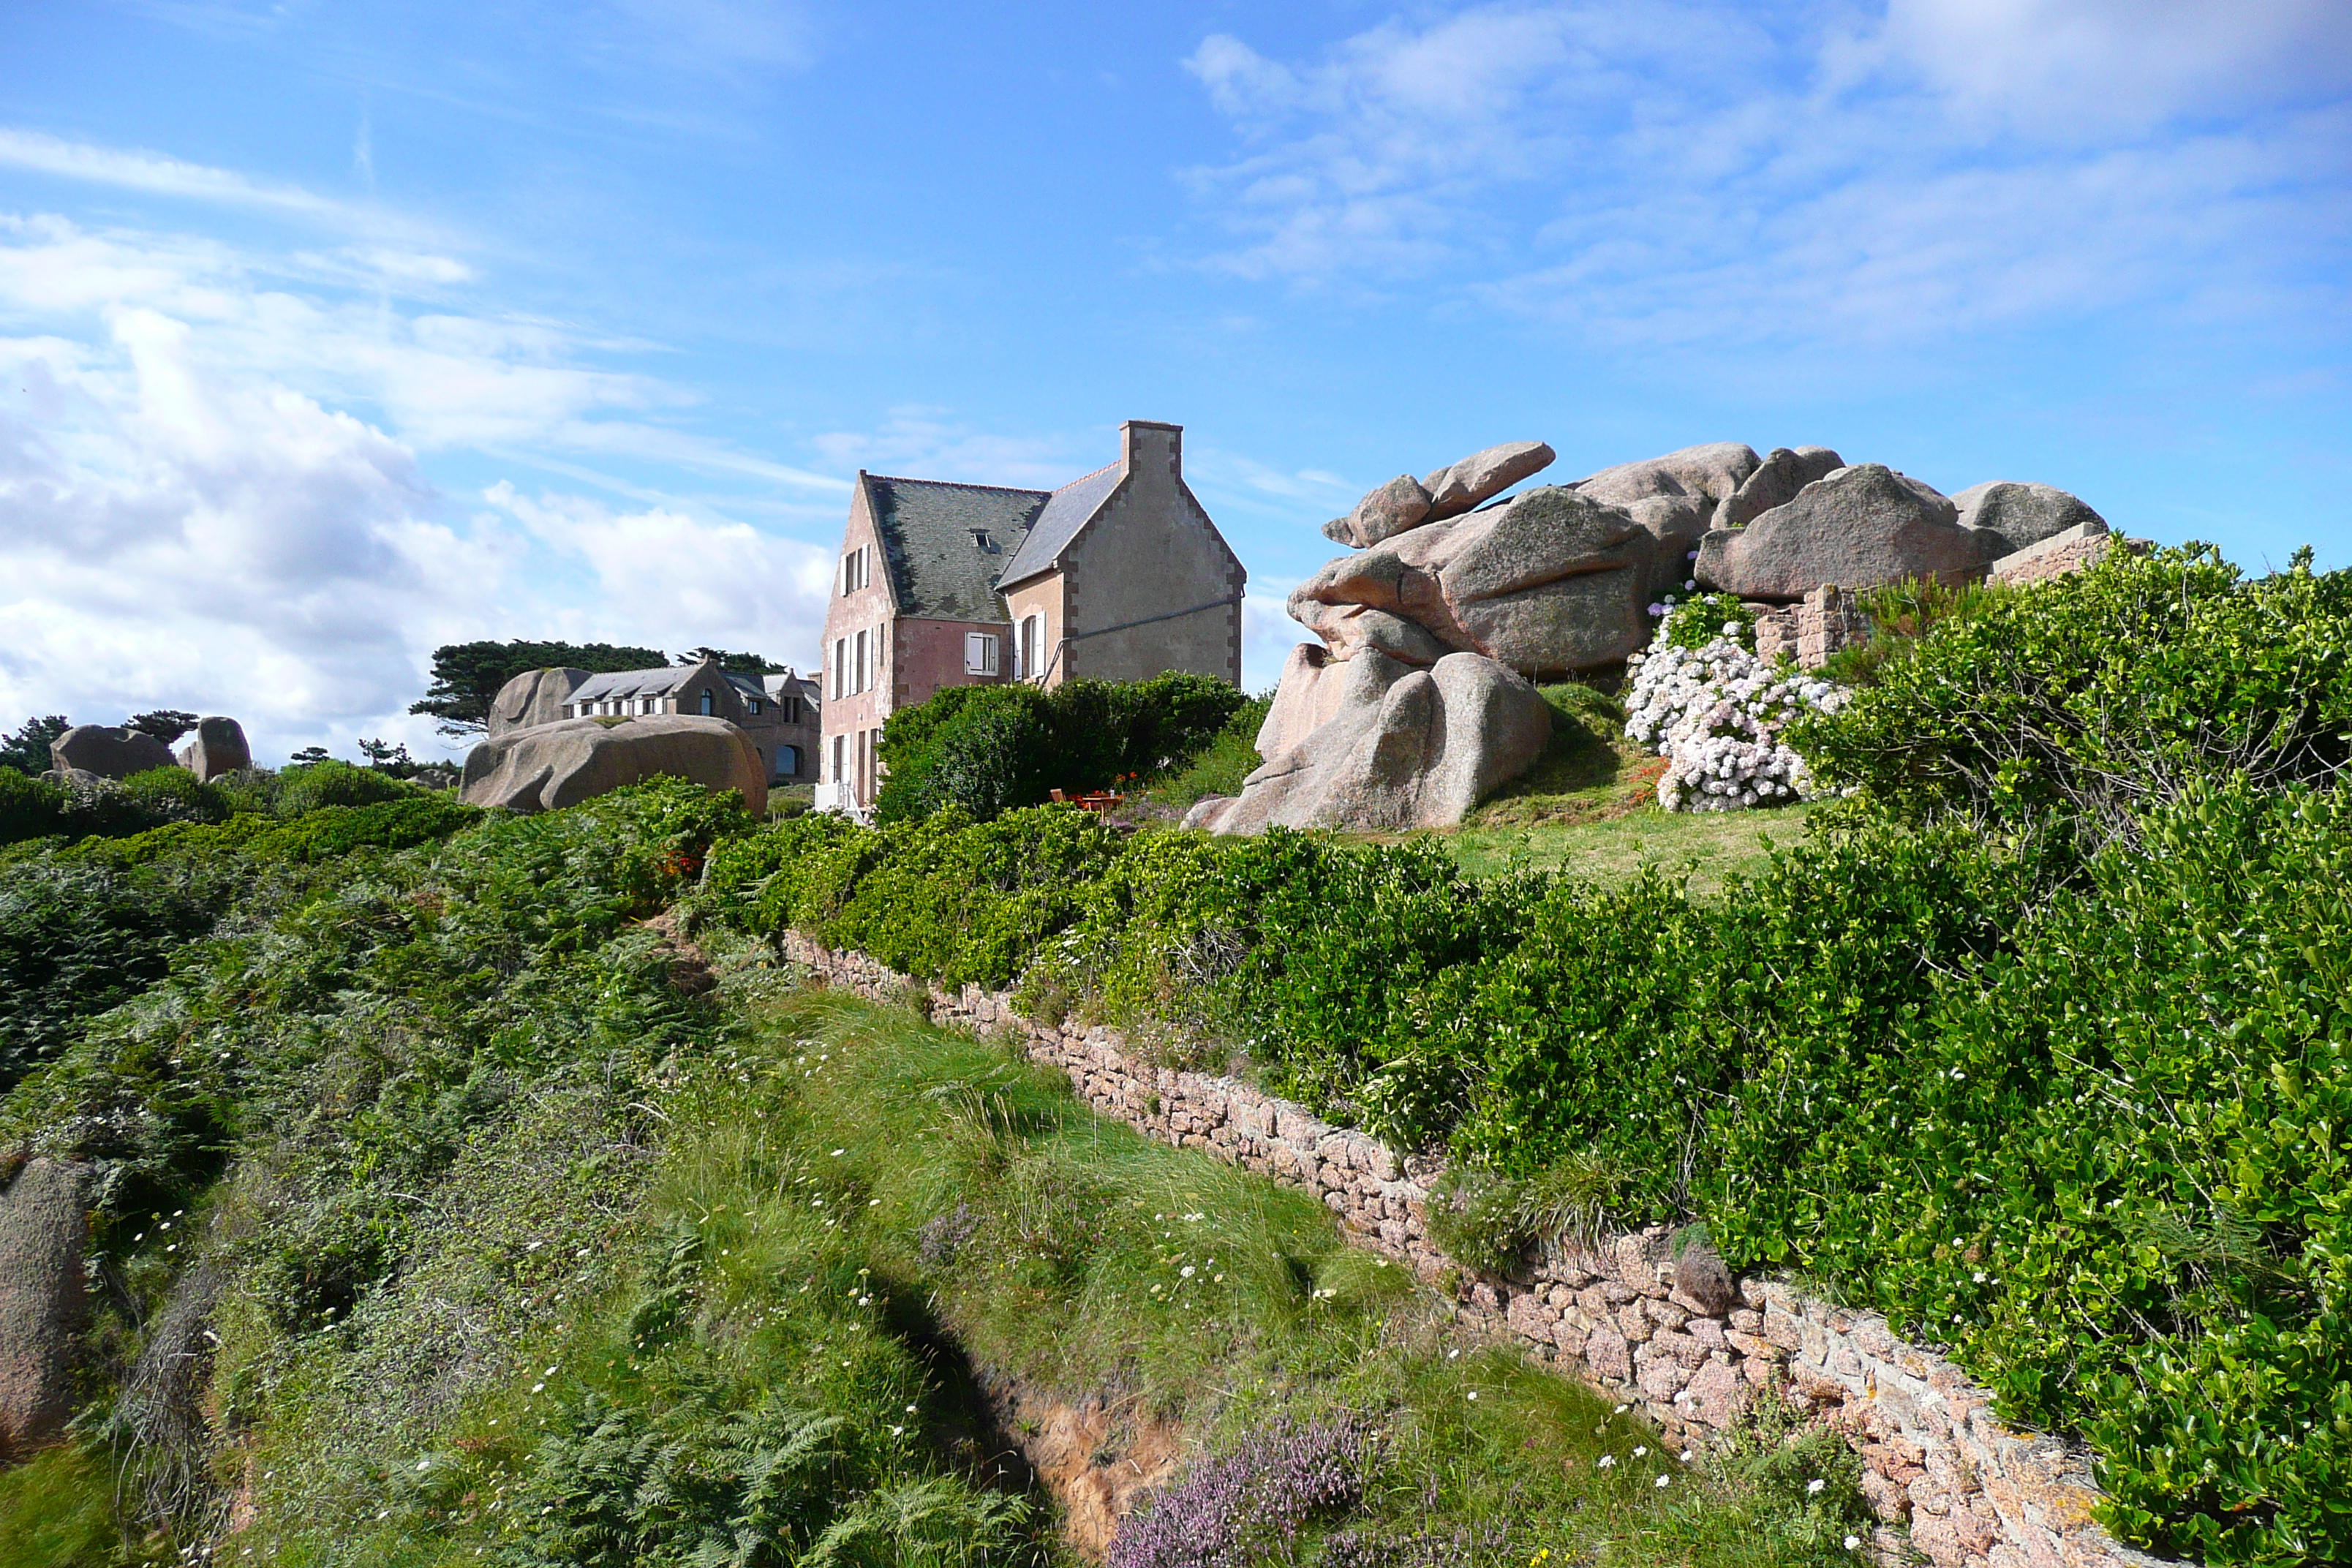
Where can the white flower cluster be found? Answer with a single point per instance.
(1715, 714)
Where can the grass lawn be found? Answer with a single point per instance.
(1589, 806)
(1709, 845)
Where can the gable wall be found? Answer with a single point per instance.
(1150, 551)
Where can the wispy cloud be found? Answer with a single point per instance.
(158, 173)
(1706, 172)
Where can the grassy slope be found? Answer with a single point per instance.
(777, 1262)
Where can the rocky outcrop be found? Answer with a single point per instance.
(549, 767)
(534, 697)
(110, 752)
(1861, 527)
(1711, 474)
(2024, 514)
(1548, 581)
(44, 1228)
(217, 748)
(1405, 503)
(1384, 745)
(1776, 482)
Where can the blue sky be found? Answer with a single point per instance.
(329, 333)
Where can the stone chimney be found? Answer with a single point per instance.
(1147, 447)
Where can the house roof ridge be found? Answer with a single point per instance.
(1090, 474)
(965, 484)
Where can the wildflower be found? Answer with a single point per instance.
(1606, 1461)
(426, 1463)
(1623, 1408)
(1816, 1483)
(1642, 1453)
(1188, 1271)
(837, 1153)
(1473, 1394)
(1687, 1455)
(1854, 1543)
(1663, 1477)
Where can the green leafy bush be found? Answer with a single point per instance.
(988, 749)
(2092, 697)
(308, 787)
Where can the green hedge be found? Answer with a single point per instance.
(2044, 1051)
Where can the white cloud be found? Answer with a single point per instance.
(1709, 173)
(2058, 65)
(667, 579)
(211, 494)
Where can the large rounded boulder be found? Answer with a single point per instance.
(111, 752)
(534, 697)
(549, 767)
(1859, 527)
(217, 748)
(1369, 743)
(2023, 513)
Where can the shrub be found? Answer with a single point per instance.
(1715, 713)
(30, 807)
(307, 787)
(2088, 698)
(988, 749)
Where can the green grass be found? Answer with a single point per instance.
(1588, 807)
(56, 1510)
(854, 1210)
(1706, 845)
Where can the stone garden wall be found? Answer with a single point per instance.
(1683, 1341)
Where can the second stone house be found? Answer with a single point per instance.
(1118, 576)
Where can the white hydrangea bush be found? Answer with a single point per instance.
(1715, 713)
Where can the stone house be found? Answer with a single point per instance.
(1118, 576)
(781, 713)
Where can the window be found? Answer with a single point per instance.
(863, 667)
(856, 569)
(838, 743)
(1033, 633)
(650, 705)
(979, 653)
(841, 667)
(710, 703)
(787, 762)
(756, 705)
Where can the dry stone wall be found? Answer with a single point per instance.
(1677, 1338)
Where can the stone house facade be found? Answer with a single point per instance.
(1118, 575)
(782, 713)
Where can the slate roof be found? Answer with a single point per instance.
(658, 682)
(938, 568)
(632, 683)
(1066, 511)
